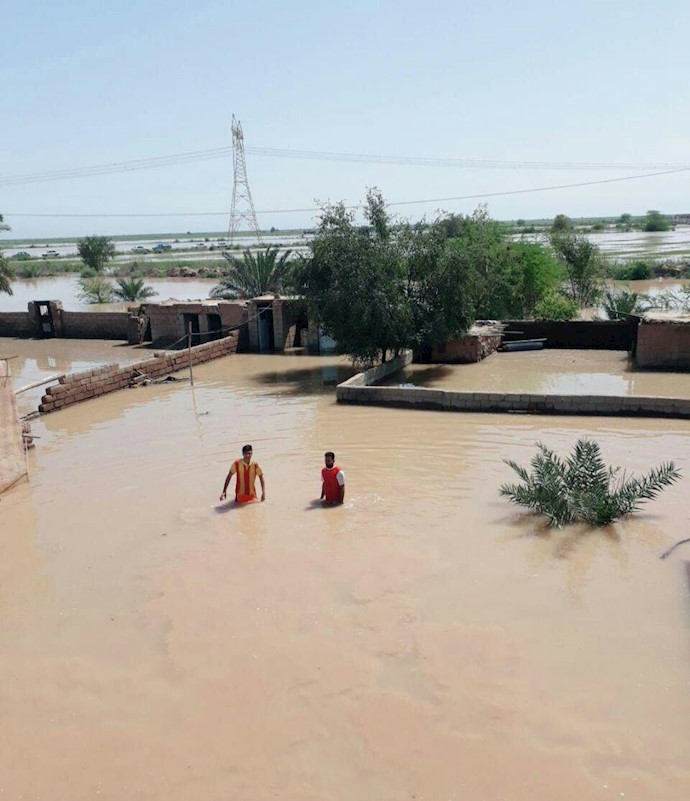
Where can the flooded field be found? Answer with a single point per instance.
(626, 246)
(425, 641)
(555, 372)
(65, 288)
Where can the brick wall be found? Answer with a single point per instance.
(94, 325)
(663, 344)
(468, 349)
(78, 387)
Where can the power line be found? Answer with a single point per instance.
(360, 205)
(195, 156)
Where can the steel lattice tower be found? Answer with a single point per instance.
(242, 203)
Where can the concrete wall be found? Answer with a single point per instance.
(578, 334)
(422, 398)
(663, 344)
(78, 387)
(94, 325)
(12, 459)
(368, 378)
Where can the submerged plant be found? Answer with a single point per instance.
(581, 488)
(132, 288)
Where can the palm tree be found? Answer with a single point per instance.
(6, 275)
(133, 289)
(581, 487)
(253, 274)
(6, 272)
(619, 304)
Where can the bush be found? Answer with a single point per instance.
(638, 270)
(581, 488)
(556, 306)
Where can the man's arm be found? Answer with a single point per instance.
(341, 486)
(263, 487)
(341, 498)
(224, 494)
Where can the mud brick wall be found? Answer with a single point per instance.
(78, 387)
(94, 325)
(469, 349)
(18, 324)
(663, 344)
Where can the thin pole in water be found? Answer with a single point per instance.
(189, 350)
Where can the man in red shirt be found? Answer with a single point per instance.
(333, 482)
(246, 473)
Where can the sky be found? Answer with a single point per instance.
(87, 83)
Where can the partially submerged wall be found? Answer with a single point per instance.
(531, 403)
(663, 344)
(17, 324)
(479, 342)
(78, 387)
(95, 325)
(12, 458)
(576, 334)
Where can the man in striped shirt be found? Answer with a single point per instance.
(246, 473)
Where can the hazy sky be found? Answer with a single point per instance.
(87, 83)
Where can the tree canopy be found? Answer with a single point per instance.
(96, 251)
(389, 285)
(583, 264)
(655, 221)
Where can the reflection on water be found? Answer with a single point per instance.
(556, 372)
(425, 637)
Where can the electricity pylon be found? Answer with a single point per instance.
(242, 203)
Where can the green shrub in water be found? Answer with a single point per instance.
(582, 488)
(556, 306)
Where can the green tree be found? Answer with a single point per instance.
(655, 221)
(254, 274)
(583, 264)
(96, 251)
(355, 280)
(581, 488)
(385, 286)
(6, 272)
(555, 305)
(132, 288)
(625, 220)
(95, 289)
(561, 223)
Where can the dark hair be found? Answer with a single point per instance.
(331, 454)
(246, 448)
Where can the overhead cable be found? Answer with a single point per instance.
(479, 196)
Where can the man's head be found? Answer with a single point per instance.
(329, 456)
(247, 453)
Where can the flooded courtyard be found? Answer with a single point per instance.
(426, 640)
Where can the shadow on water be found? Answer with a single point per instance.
(422, 376)
(310, 380)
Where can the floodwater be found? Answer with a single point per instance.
(65, 288)
(37, 359)
(554, 372)
(625, 246)
(426, 640)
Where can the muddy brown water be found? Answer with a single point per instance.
(426, 640)
(555, 372)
